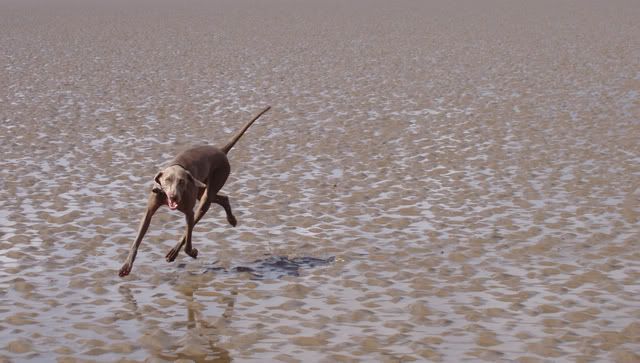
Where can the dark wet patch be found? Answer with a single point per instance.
(275, 267)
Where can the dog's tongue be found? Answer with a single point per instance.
(172, 204)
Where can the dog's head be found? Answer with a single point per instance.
(177, 183)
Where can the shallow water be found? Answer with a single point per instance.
(434, 182)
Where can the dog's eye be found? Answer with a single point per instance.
(181, 181)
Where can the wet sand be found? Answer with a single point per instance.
(435, 182)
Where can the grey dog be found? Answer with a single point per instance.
(199, 172)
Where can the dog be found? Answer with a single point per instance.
(195, 174)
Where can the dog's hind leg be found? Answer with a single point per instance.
(223, 200)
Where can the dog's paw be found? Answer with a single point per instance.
(193, 253)
(171, 255)
(125, 270)
(232, 220)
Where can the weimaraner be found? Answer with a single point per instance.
(198, 172)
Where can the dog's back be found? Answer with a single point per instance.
(199, 160)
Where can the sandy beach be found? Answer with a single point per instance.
(436, 181)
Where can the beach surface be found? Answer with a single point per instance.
(435, 181)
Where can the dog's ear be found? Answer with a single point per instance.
(157, 177)
(195, 181)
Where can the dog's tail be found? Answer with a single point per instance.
(241, 132)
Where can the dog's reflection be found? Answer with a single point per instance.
(198, 343)
(204, 331)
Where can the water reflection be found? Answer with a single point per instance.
(199, 342)
(199, 338)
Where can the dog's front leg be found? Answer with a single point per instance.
(154, 202)
(203, 207)
(188, 249)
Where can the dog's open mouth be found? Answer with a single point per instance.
(172, 204)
